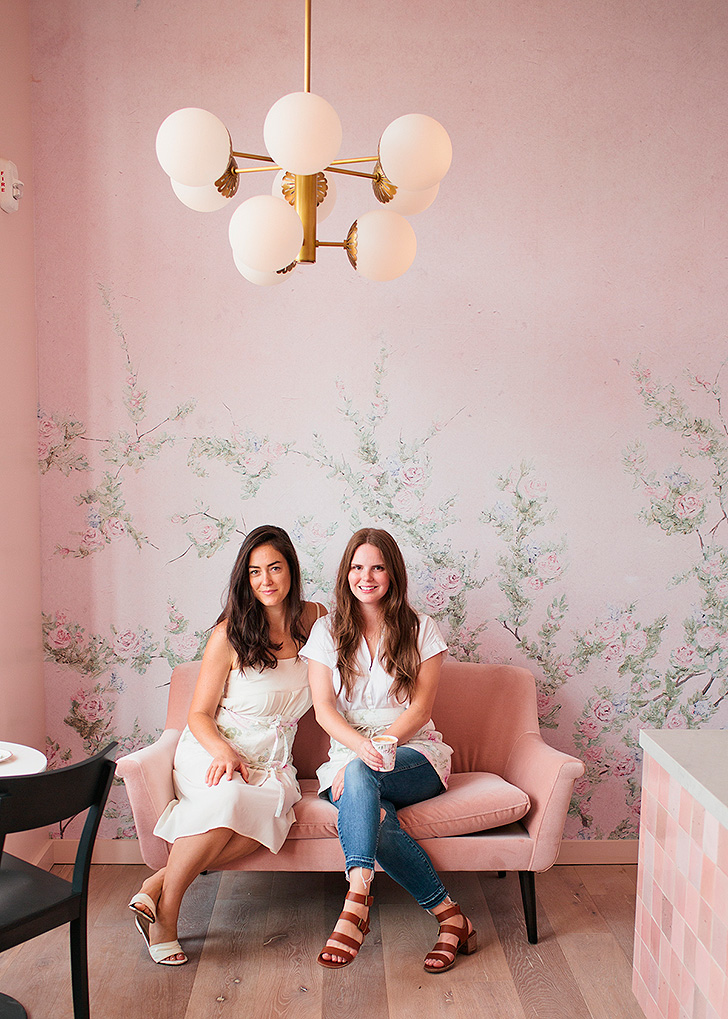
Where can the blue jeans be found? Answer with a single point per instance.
(364, 839)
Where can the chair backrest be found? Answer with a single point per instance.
(37, 801)
(480, 711)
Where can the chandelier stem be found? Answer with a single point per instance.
(305, 206)
(307, 49)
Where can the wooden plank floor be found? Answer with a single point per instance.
(253, 941)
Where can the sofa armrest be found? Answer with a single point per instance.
(548, 776)
(147, 775)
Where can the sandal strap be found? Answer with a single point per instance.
(446, 946)
(445, 956)
(447, 928)
(342, 939)
(166, 950)
(453, 910)
(360, 922)
(363, 900)
(145, 900)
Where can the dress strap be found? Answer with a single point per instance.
(319, 607)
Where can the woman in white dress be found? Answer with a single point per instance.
(233, 775)
(374, 667)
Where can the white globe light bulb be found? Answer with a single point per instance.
(385, 246)
(193, 147)
(261, 279)
(409, 203)
(204, 199)
(265, 233)
(415, 152)
(302, 133)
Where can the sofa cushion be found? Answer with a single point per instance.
(473, 802)
(315, 817)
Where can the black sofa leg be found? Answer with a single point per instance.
(528, 894)
(501, 873)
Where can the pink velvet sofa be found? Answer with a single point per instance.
(504, 809)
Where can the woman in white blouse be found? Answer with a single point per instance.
(373, 667)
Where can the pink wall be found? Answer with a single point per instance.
(485, 407)
(21, 689)
(22, 702)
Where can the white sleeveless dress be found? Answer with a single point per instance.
(258, 715)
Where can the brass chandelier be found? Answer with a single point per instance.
(271, 234)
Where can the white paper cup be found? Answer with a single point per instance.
(387, 747)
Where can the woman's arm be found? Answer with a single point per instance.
(311, 612)
(330, 719)
(419, 711)
(216, 664)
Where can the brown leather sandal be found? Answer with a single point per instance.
(360, 922)
(445, 950)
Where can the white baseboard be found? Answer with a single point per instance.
(573, 851)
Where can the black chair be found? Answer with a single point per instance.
(32, 900)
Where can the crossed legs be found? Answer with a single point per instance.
(369, 830)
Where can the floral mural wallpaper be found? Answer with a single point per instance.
(535, 411)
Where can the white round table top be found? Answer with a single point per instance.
(17, 759)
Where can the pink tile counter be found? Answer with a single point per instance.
(681, 923)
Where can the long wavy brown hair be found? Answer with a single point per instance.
(400, 656)
(247, 624)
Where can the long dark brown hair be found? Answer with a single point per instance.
(247, 624)
(400, 655)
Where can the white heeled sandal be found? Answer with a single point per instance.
(163, 952)
(145, 900)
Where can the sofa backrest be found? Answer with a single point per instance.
(479, 709)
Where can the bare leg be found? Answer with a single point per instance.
(359, 881)
(238, 847)
(188, 856)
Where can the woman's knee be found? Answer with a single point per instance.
(359, 779)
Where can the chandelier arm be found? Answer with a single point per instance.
(330, 244)
(251, 155)
(359, 159)
(351, 173)
(257, 169)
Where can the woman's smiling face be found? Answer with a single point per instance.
(269, 575)
(368, 577)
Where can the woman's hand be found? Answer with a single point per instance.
(224, 765)
(337, 786)
(371, 757)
